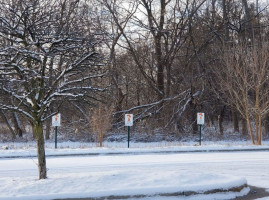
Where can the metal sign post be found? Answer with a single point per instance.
(128, 136)
(128, 122)
(200, 122)
(56, 137)
(56, 121)
(200, 133)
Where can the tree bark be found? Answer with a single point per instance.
(38, 132)
(17, 125)
(259, 133)
(193, 108)
(220, 120)
(250, 129)
(8, 125)
(160, 67)
(244, 126)
(119, 101)
(225, 20)
(249, 28)
(100, 138)
(235, 121)
(267, 124)
(48, 126)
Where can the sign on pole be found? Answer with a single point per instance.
(129, 120)
(56, 120)
(200, 122)
(200, 118)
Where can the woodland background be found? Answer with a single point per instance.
(162, 60)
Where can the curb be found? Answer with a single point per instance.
(175, 194)
(139, 153)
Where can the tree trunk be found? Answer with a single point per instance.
(249, 27)
(250, 130)
(8, 125)
(193, 110)
(220, 120)
(244, 126)
(38, 132)
(225, 19)
(267, 125)
(168, 81)
(259, 138)
(119, 101)
(17, 125)
(160, 69)
(100, 138)
(159, 50)
(235, 121)
(48, 126)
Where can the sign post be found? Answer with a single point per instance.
(128, 136)
(200, 122)
(129, 122)
(56, 121)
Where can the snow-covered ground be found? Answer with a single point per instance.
(143, 171)
(28, 149)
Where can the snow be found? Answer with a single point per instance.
(113, 182)
(30, 101)
(147, 170)
(28, 149)
(36, 96)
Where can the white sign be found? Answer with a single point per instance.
(200, 118)
(129, 119)
(56, 120)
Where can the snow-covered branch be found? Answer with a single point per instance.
(17, 109)
(154, 103)
(46, 57)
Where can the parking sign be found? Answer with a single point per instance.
(200, 118)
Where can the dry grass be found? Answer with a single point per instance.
(101, 122)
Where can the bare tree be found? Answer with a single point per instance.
(154, 34)
(245, 78)
(101, 121)
(35, 34)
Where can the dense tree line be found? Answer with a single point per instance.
(162, 60)
(184, 57)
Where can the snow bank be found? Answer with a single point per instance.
(121, 175)
(114, 183)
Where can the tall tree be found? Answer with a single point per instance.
(34, 34)
(155, 36)
(244, 78)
